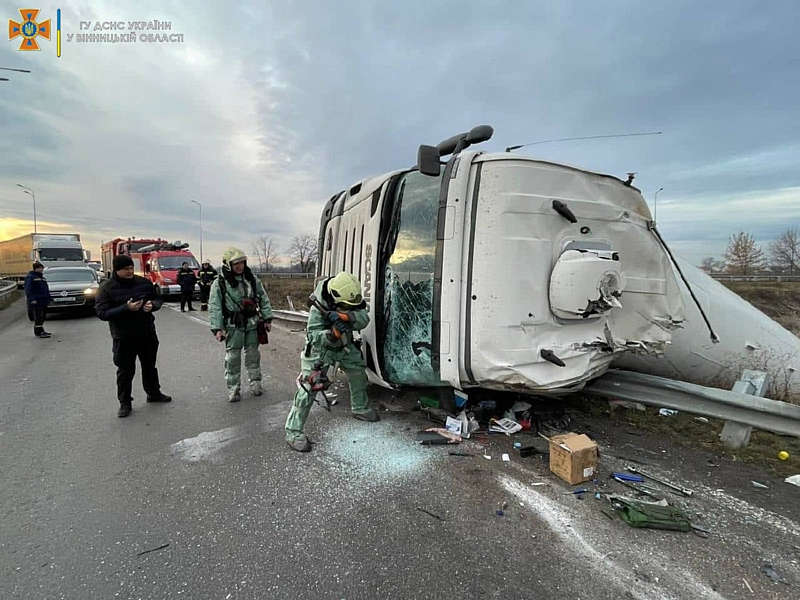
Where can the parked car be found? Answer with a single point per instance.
(72, 288)
(98, 267)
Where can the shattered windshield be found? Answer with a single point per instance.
(408, 293)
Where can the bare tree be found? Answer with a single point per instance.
(712, 265)
(785, 251)
(303, 252)
(743, 256)
(264, 250)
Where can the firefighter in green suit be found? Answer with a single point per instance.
(337, 310)
(237, 301)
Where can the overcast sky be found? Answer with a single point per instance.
(265, 111)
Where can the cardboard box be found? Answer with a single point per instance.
(573, 457)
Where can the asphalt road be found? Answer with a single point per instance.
(202, 499)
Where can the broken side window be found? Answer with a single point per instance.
(408, 292)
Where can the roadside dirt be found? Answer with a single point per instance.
(778, 300)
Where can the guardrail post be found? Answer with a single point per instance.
(753, 383)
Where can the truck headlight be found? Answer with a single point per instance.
(89, 291)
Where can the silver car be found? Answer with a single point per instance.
(71, 288)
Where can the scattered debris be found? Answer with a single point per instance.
(768, 570)
(580, 491)
(153, 549)
(436, 436)
(453, 425)
(794, 480)
(520, 406)
(783, 455)
(461, 398)
(642, 489)
(760, 486)
(748, 585)
(701, 420)
(461, 454)
(427, 512)
(431, 438)
(527, 451)
(428, 401)
(637, 513)
(667, 412)
(507, 426)
(613, 404)
(627, 477)
(573, 457)
(677, 488)
(506, 458)
(487, 457)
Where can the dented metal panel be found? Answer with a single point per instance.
(514, 333)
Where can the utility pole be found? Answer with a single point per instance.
(201, 229)
(655, 204)
(29, 191)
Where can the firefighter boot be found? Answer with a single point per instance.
(300, 444)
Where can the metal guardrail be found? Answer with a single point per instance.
(760, 413)
(6, 287)
(777, 278)
(294, 316)
(274, 275)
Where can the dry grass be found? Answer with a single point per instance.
(298, 289)
(684, 429)
(779, 301)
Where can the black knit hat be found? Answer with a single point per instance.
(121, 261)
(37, 265)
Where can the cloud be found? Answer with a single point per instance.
(262, 119)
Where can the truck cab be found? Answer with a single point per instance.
(160, 264)
(500, 271)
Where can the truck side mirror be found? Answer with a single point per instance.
(428, 161)
(87, 255)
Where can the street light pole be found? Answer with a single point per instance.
(655, 204)
(29, 191)
(201, 229)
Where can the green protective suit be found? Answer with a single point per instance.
(238, 338)
(319, 348)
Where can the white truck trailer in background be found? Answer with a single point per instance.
(51, 249)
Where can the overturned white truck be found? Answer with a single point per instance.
(504, 272)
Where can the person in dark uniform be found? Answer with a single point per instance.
(37, 293)
(127, 302)
(207, 275)
(186, 279)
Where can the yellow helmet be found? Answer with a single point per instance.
(345, 289)
(233, 255)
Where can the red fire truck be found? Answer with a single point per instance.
(155, 259)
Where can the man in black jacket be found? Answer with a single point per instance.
(207, 275)
(37, 293)
(127, 302)
(186, 279)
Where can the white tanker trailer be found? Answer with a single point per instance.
(505, 272)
